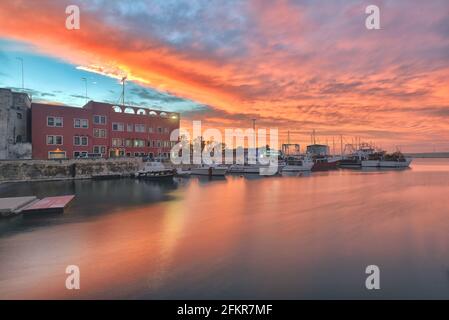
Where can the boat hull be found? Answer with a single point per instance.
(323, 166)
(386, 163)
(350, 163)
(293, 168)
(209, 171)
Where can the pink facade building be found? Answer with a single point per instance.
(100, 129)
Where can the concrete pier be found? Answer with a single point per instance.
(10, 206)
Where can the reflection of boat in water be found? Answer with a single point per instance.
(209, 170)
(384, 160)
(296, 173)
(154, 171)
(250, 168)
(295, 164)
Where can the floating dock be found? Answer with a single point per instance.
(10, 206)
(49, 205)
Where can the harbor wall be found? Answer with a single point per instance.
(38, 170)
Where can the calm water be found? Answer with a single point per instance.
(239, 237)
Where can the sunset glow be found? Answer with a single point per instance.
(294, 65)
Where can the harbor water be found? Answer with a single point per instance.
(238, 237)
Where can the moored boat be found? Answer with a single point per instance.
(323, 163)
(355, 159)
(209, 170)
(384, 160)
(294, 164)
(155, 170)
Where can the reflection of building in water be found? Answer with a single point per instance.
(15, 134)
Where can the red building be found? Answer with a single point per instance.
(100, 128)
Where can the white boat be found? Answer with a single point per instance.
(152, 166)
(181, 172)
(370, 163)
(209, 170)
(154, 170)
(236, 168)
(297, 165)
(383, 160)
(395, 164)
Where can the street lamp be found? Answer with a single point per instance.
(85, 81)
(21, 61)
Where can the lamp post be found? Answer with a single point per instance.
(23, 81)
(85, 82)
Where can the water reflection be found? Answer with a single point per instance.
(238, 237)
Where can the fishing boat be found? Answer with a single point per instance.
(323, 163)
(209, 170)
(183, 173)
(384, 160)
(155, 170)
(295, 164)
(355, 159)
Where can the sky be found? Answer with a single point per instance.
(293, 65)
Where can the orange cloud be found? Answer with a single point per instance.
(294, 66)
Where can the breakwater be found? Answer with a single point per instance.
(41, 170)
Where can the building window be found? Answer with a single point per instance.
(129, 143)
(54, 140)
(116, 126)
(138, 143)
(165, 130)
(150, 130)
(117, 142)
(159, 130)
(129, 128)
(19, 115)
(79, 154)
(80, 141)
(81, 123)
(55, 122)
(159, 144)
(56, 155)
(100, 149)
(19, 139)
(99, 119)
(139, 128)
(99, 133)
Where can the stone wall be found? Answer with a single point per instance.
(20, 151)
(25, 170)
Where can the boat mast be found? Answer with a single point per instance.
(341, 145)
